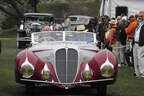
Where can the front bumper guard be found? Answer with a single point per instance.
(80, 82)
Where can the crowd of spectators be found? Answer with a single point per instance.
(124, 36)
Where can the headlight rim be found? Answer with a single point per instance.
(111, 68)
(87, 68)
(46, 69)
(50, 77)
(30, 66)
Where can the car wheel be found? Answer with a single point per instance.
(102, 90)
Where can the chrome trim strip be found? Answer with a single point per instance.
(55, 64)
(64, 38)
(78, 65)
(66, 64)
(32, 38)
(94, 36)
(39, 81)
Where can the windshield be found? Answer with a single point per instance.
(79, 20)
(63, 36)
(79, 36)
(37, 18)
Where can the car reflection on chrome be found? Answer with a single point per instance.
(66, 59)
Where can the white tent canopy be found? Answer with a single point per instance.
(108, 7)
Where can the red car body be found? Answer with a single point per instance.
(70, 64)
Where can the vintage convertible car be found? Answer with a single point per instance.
(32, 22)
(80, 20)
(66, 59)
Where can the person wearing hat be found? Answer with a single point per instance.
(118, 18)
(131, 28)
(110, 38)
(81, 28)
(112, 31)
(130, 31)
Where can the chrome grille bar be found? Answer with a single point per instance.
(66, 64)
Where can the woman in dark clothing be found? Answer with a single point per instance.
(120, 41)
(102, 28)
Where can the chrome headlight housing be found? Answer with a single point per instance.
(87, 73)
(27, 69)
(46, 73)
(107, 69)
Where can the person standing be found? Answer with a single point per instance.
(67, 23)
(101, 30)
(130, 31)
(138, 49)
(112, 34)
(121, 41)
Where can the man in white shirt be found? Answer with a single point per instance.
(67, 23)
(138, 49)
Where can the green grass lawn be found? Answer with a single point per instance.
(126, 84)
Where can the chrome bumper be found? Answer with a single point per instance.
(24, 39)
(80, 82)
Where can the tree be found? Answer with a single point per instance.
(34, 4)
(19, 7)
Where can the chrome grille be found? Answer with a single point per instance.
(66, 64)
(61, 64)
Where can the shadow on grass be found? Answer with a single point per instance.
(51, 91)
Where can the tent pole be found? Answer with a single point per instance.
(109, 8)
(103, 9)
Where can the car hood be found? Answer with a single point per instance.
(58, 45)
(47, 51)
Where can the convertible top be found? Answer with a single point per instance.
(46, 14)
(64, 36)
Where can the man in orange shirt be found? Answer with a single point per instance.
(112, 32)
(130, 31)
(110, 37)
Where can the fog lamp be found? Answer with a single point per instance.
(46, 73)
(87, 73)
(107, 69)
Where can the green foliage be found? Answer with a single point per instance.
(57, 8)
(9, 33)
(9, 22)
(33, 2)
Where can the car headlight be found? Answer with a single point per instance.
(87, 73)
(27, 70)
(107, 69)
(46, 73)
